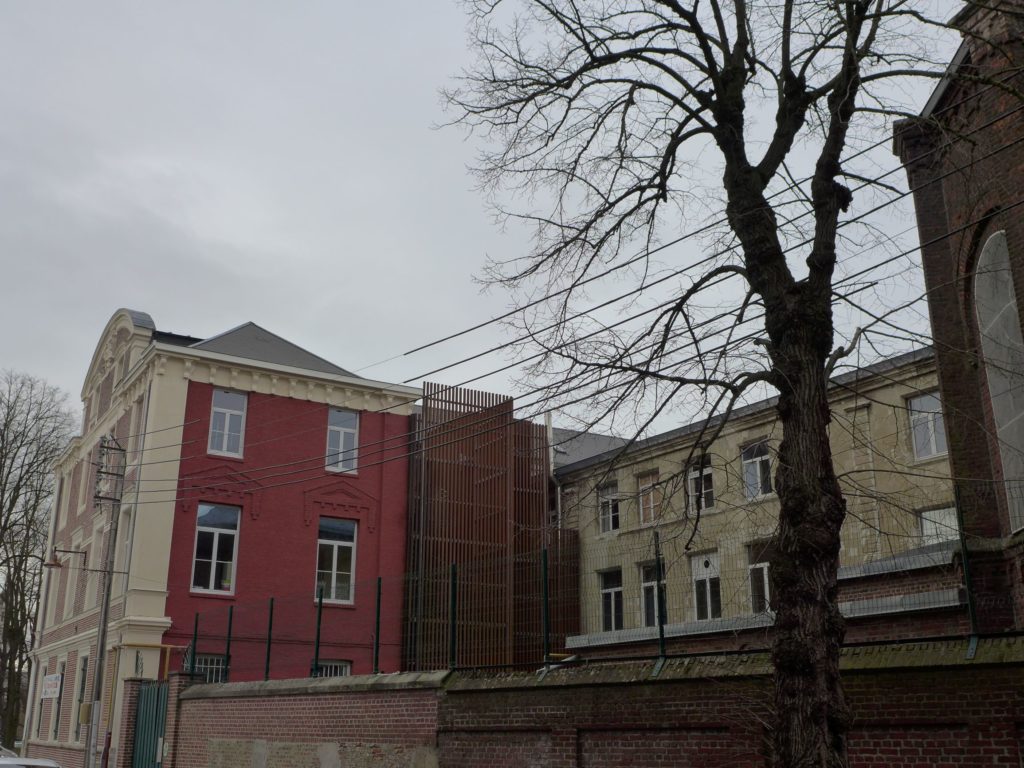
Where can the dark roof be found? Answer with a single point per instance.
(571, 445)
(843, 380)
(178, 339)
(254, 342)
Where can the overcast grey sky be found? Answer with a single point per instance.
(217, 162)
(212, 163)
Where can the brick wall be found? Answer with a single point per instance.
(966, 166)
(384, 720)
(920, 704)
(126, 728)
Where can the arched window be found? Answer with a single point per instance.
(1003, 348)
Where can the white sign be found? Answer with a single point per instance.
(51, 686)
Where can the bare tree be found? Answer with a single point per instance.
(610, 119)
(35, 425)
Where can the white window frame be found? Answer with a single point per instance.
(80, 686)
(934, 421)
(211, 665)
(336, 545)
(616, 602)
(338, 465)
(58, 703)
(701, 576)
(703, 474)
(222, 450)
(763, 465)
(608, 508)
(334, 668)
(647, 485)
(759, 569)
(935, 531)
(216, 540)
(651, 585)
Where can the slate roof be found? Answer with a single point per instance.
(571, 445)
(843, 380)
(254, 342)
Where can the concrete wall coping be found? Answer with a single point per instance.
(318, 685)
(924, 655)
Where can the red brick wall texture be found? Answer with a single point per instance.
(604, 716)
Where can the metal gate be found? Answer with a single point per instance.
(150, 717)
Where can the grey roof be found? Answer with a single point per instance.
(843, 380)
(571, 445)
(140, 319)
(944, 83)
(253, 342)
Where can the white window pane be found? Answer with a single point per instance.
(751, 480)
(343, 419)
(231, 401)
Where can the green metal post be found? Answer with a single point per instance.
(319, 620)
(195, 646)
(546, 615)
(270, 633)
(659, 592)
(227, 645)
(452, 618)
(376, 633)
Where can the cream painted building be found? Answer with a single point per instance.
(715, 512)
(137, 388)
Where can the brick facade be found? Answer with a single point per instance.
(965, 163)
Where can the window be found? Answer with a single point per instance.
(227, 422)
(336, 559)
(652, 598)
(938, 525)
(648, 496)
(213, 569)
(611, 599)
(759, 554)
(757, 470)
(211, 668)
(83, 675)
(926, 426)
(55, 718)
(707, 590)
(336, 668)
(700, 487)
(342, 440)
(609, 507)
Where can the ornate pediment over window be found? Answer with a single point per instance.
(223, 484)
(340, 498)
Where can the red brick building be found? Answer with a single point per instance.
(965, 164)
(253, 469)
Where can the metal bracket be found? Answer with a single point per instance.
(972, 647)
(658, 666)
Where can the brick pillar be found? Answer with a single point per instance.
(126, 728)
(176, 683)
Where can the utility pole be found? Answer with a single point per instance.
(110, 469)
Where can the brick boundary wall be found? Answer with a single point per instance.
(379, 720)
(914, 705)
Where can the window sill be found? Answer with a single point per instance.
(336, 604)
(349, 472)
(919, 460)
(758, 499)
(215, 594)
(232, 456)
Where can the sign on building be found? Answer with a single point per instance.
(51, 686)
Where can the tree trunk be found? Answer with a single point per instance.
(811, 717)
